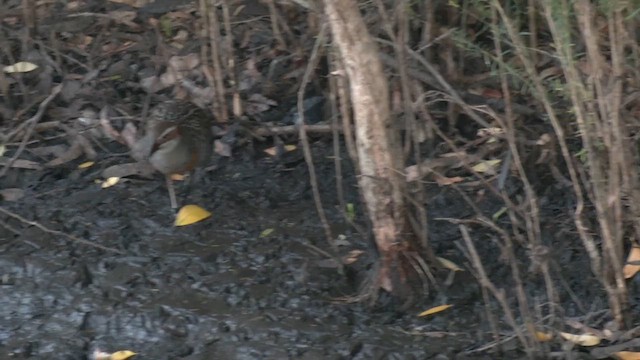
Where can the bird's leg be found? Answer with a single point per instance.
(172, 192)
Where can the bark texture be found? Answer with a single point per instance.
(378, 147)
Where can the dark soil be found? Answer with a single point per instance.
(212, 290)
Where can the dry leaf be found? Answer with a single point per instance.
(266, 232)
(543, 336)
(177, 177)
(274, 150)
(191, 214)
(122, 355)
(445, 181)
(86, 164)
(484, 132)
(110, 182)
(435, 310)
(629, 270)
(582, 340)
(11, 194)
(221, 148)
(185, 63)
(449, 264)
(20, 67)
(352, 257)
(487, 166)
(627, 355)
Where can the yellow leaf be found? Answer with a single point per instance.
(20, 67)
(582, 340)
(629, 269)
(266, 232)
(272, 151)
(86, 164)
(122, 355)
(110, 182)
(177, 177)
(486, 166)
(449, 264)
(627, 355)
(543, 336)
(435, 310)
(191, 214)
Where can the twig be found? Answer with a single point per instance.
(30, 124)
(313, 59)
(57, 232)
(294, 129)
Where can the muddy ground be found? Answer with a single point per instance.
(227, 288)
(213, 289)
(216, 289)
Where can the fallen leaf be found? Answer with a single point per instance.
(484, 132)
(445, 181)
(11, 194)
(352, 257)
(274, 150)
(487, 166)
(582, 340)
(449, 264)
(630, 270)
(191, 214)
(627, 355)
(86, 164)
(110, 182)
(222, 148)
(435, 310)
(20, 67)
(122, 355)
(543, 336)
(266, 232)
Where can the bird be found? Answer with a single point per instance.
(178, 139)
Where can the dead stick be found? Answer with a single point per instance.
(31, 123)
(57, 232)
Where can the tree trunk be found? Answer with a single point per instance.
(380, 182)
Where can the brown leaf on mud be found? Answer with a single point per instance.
(185, 63)
(627, 355)
(582, 340)
(11, 194)
(22, 164)
(221, 148)
(445, 181)
(130, 169)
(631, 267)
